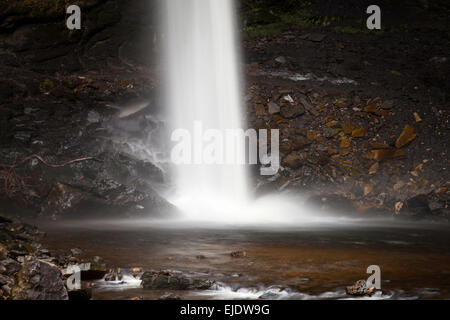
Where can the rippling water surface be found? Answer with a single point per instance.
(310, 262)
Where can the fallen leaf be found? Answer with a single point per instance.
(398, 206)
(417, 117)
(406, 136)
(347, 127)
(332, 123)
(378, 145)
(371, 108)
(368, 188)
(345, 142)
(358, 133)
(260, 110)
(374, 168)
(383, 154)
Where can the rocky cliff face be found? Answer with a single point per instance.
(61, 94)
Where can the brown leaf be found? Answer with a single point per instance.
(374, 168)
(378, 145)
(368, 188)
(358, 133)
(372, 108)
(417, 117)
(332, 123)
(347, 127)
(345, 142)
(383, 154)
(406, 136)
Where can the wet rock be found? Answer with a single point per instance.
(315, 37)
(169, 296)
(360, 288)
(238, 254)
(329, 132)
(416, 207)
(84, 294)
(294, 160)
(114, 275)
(11, 266)
(39, 280)
(281, 59)
(62, 198)
(166, 280)
(76, 251)
(3, 252)
(93, 117)
(5, 220)
(273, 108)
(104, 198)
(332, 204)
(135, 271)
(292, 111)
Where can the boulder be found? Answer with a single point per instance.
(416, 208)
(360, 288)
(39, 280)
(166, 280)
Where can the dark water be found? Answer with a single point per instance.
(310, 262)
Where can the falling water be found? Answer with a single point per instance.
(203, 87)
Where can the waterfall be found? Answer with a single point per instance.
(203, 92)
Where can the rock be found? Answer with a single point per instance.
(61, 198)
(93, 117)
(11, 266)
(238, 254)
(273, 108)
(292, 111)
(104, 198)
(39, 280)
(294, 160)
(3, 252)
(76, 251)
(316, 37)
(5, 220)
(135, 271)
(388, 104)
(169, 296)
(360, 289)
(345, 143)
(260, 110)
(281, 59)
(332, 204)
(368, 188)
(405, 137)
(84, 294)
(416, 207)
(329, 132)
(114, 275)
(166, 280)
